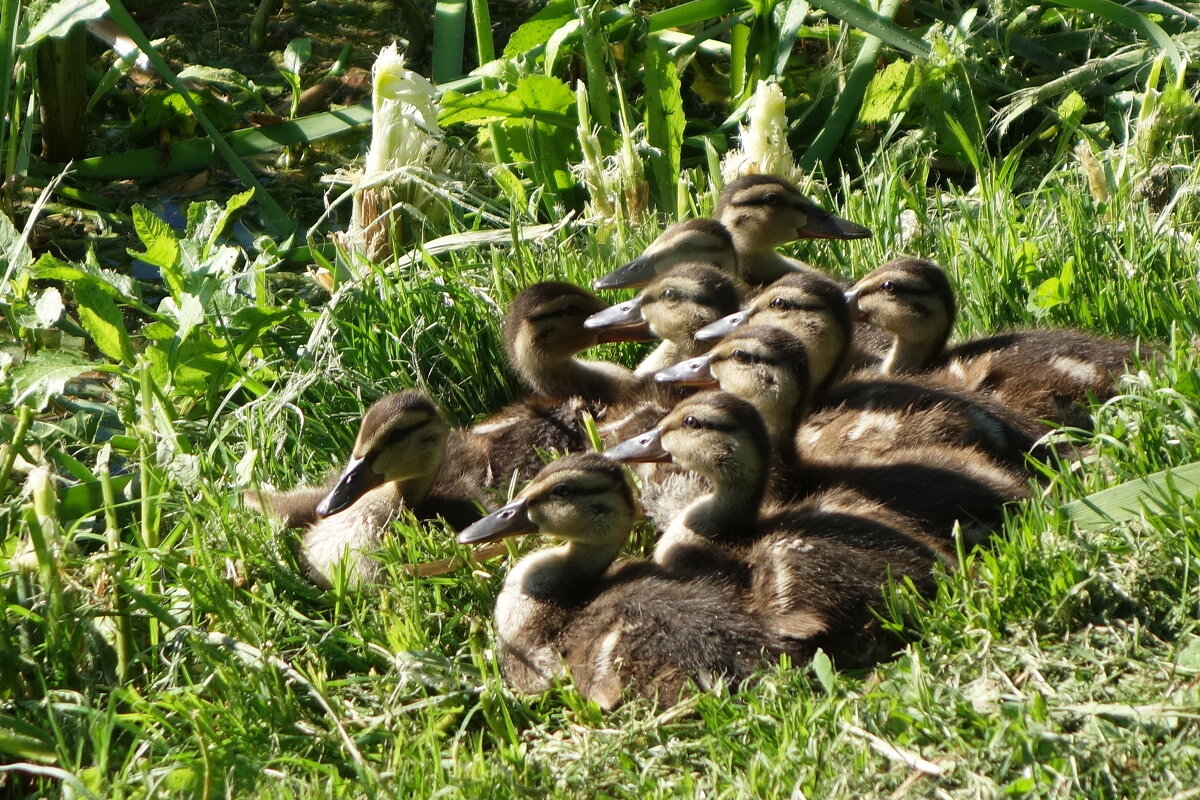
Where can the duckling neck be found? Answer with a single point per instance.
(561, 573)
(670, 352)
(759, 266)
(559, 377)
(733, 504)
(913, 353)
(699, 539)
(414, 490)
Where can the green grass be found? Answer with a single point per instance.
(1058, 663)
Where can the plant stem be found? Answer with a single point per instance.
(8, 452)
(850, 100)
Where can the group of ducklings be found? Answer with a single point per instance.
(799, 442)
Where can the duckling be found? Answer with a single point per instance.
(1045, 374)
(693, 241)
(766, 367)
(754, 215)
(618, 627)
(866, 415)
(814, 569)
(811, 306)
(544, 330)
(397, 463)
(762, 212)
(673, 308)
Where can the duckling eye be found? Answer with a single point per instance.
(561, 490)
(691, 422)
(888, 286)
(741, 356)
(670, 294)
(780, 303)
(772, 199)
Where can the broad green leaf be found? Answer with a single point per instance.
(61, 17)
(45, 374)
(187, 314)
(112, 283)
(1189, 653)
(192, 368)
(162, 246)
(296, 55)
(665, 121)
(889, 93)
(538, 29)
(101, 318)
(1127, 501)
(232, 206)
(823, 668)
(536, 98)
(1071, 110)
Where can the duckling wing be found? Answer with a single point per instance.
(655, 636)
(1045, 374)
(866, 419)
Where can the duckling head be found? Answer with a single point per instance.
(702, 240)
(910, 298)
(674, 306)
(764, 211)
(767, 366)
(583, 498)
(402, 439)
(545, 320)
(713, 433)
(808, 306)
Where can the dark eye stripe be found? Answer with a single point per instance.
(572, 311)
(899, 287)
(747, 357)
(699, 423)
(398, 434)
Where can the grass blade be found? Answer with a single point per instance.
(879, 25)
(850, 100)
(1106, 9)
